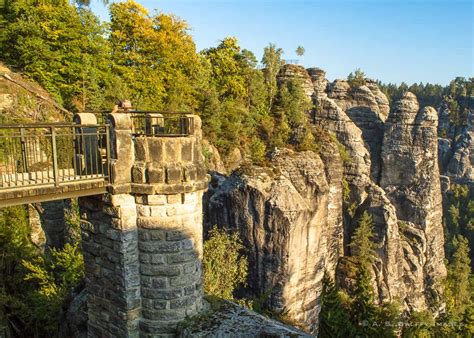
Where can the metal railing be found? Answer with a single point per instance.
(53, 154)
(164, 124)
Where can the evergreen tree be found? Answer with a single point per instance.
(362, 241)
(458, 291)
(300, 51)
(364, 313)
(334, 318)
(357, 78)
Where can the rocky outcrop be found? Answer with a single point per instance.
(298, 73)
(290, 219)
(227, 319)
(410, 176)
(293, 220)
(367, 107)
(22, 100)
(393, 173)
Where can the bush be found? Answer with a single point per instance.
(224, 267)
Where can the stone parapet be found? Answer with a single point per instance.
(142, 240)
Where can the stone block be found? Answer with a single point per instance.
(151, 328)
(188, 244)
(172, 150)
(157, 234)
(143, 210)
(190, 173)
(155, 174)
(122, 200)
(173, 174)
(112, 211)
(182, 257)
(175, 235)
(155, 149)
(159, 282)
(159, 270)
(156, 199)
(145, 258)
(157, 259)
(160, 304)
(167, 294)
(138, 173)
(201, 172)
(187, 150)
(183, 281)
(182, 302)
(158, 211)
(189, 268)
(141, 149)
(143, 235)
(174, 199)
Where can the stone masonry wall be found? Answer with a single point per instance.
(143, 240)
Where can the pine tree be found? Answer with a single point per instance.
(362, 245)
(459, 270)
(334, 319)
(363, 311)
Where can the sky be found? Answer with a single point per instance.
(390, 40)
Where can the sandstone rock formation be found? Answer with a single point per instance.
(410, 176)
(291, 215)
(227, 319)
(290, 219)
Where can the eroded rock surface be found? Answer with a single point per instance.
(231, 320)
(290, 219)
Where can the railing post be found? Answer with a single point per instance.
(55, 156)
(24, 156)
(107, 147)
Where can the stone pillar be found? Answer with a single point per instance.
(143, 240)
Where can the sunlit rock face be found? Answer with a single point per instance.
(410, 176)
(295, 224)
(290, 218)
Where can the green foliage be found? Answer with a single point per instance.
(53, 276)
(61, 46)
(334, 319)
(362, 241)
(155, 56)
(272, 61)
(300, 51)
(420, 325)
(224, 268)
(357, 78)
(33, 285)
(257, 150)
(346, 190)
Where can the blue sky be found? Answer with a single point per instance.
(391, 40)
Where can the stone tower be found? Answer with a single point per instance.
(142, 241)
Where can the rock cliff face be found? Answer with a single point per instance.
(290, 218)
(294, 221)
(410, 176)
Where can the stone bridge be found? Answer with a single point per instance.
(140, 179)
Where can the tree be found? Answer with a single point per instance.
(362, 241)
(272, 61)
(300, 51)
(357, 78)
(458, 291)
(364, 313)
(59, 45)
(155, 56)
(334, 319)
(224, 268)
